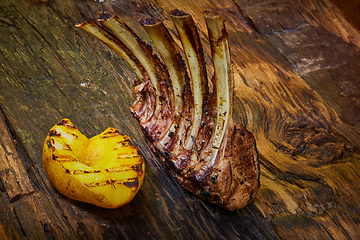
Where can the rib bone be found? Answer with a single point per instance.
(126, 35)
(104, 36)
(223, 77)
(171, 57)
(177, 71)
(190, 40)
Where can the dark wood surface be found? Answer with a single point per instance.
(297, 88)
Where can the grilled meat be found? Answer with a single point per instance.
(189, 126)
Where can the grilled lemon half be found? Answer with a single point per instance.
(105, 170)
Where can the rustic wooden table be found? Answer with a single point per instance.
(297, 89)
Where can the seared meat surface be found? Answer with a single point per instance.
(189, 126)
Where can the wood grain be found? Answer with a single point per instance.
(297, 81)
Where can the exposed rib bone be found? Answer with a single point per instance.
(190, 40)
(223, 88)
(170, 54)
(132, 41)
(98, 32)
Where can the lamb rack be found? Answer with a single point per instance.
(187, 125)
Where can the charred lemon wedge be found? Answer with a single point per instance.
(105, 170)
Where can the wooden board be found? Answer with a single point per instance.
(297, 79)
